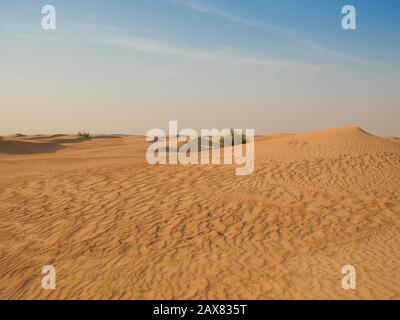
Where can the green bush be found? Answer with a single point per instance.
(232, 136)
(84, 134)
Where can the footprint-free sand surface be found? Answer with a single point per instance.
(115, 227)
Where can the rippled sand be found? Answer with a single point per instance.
(116, 227)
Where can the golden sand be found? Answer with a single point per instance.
(115, 227)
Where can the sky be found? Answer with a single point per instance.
(128, 66)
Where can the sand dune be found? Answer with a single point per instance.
(116, 227)
(16, 135)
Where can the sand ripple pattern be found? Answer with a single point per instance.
(115, 227)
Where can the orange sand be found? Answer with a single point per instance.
(115, 227)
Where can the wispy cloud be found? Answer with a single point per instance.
(195, 6)
(155, 46)
(262, 26)
(36, 37)
(222, 55)
(91, 26)
(137, 41)
(344, 56)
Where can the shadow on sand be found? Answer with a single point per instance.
(24, 147)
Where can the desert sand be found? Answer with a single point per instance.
(117, 228)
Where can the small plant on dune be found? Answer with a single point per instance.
(233, 138)
(84, 134)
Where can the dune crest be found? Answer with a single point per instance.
(336, 133)
(325, 144)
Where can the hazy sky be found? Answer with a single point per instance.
(128, 66)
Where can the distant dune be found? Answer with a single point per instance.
(17, 135)
(116, 227)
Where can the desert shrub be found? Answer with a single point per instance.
(84, 134)
(233, 135)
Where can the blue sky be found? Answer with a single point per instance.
(129, 66)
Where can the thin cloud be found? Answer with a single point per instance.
(222, 55)
(262, 60)
(229, 16)
(141, 44)
(36, 37)
(262, 26)
(345, 56)
(89, 26)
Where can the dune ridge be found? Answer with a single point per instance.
(115, 227)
